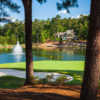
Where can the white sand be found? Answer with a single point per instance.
(21, 74)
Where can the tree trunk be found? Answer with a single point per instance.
(92, 59)
(28, 41)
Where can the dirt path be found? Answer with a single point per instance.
(42, 92)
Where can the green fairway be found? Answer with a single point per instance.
(73, 68)
(48, 65)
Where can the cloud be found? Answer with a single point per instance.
(62, 12)
(78, 16)
(13, 19)
(72, 17)
(1, 24)
(10, 19)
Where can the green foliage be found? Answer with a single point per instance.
(35, 80)
(43, 81)
(66, 4)
(44, 30)
(11, 82)
(41, 1)
(2, 40)
(10, 32)
(61, 80)
(49, 78)
(7, 4)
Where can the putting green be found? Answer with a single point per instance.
(48, 65)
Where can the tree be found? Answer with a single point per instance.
(92, 59)
(28, 39)
(28, 33)
(7, 4)
(66, 4)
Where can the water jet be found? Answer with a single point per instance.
(17, 51)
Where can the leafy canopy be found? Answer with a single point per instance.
(63, 4)
(66, 4)
(9, 4)
(5, 5)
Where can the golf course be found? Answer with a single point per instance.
(73, 68)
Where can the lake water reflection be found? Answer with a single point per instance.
(6, 56)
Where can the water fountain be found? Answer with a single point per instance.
(17, 51)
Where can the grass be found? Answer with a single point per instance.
(73, 68)
(11, 82)
(48, 65)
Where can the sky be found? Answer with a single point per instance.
(49, 10)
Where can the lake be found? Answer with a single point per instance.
(65, 54)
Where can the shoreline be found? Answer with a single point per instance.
(54, 45)
(49, 45)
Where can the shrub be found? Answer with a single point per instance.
(61, 80)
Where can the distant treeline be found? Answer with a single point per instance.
(44, 30)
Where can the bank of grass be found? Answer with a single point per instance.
(11, 82)
(73, 68)
(61, 66)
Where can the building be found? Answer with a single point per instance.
(68, 35)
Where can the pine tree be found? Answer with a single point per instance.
(28, 33)
(7, 4)
(92, 59)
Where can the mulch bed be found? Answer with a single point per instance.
(42, 92)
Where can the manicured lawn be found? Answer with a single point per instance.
(49, 65)
(73, 68)
(11, 82)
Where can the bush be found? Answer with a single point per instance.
(49, 78)
(43, 81)
(61, 80)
